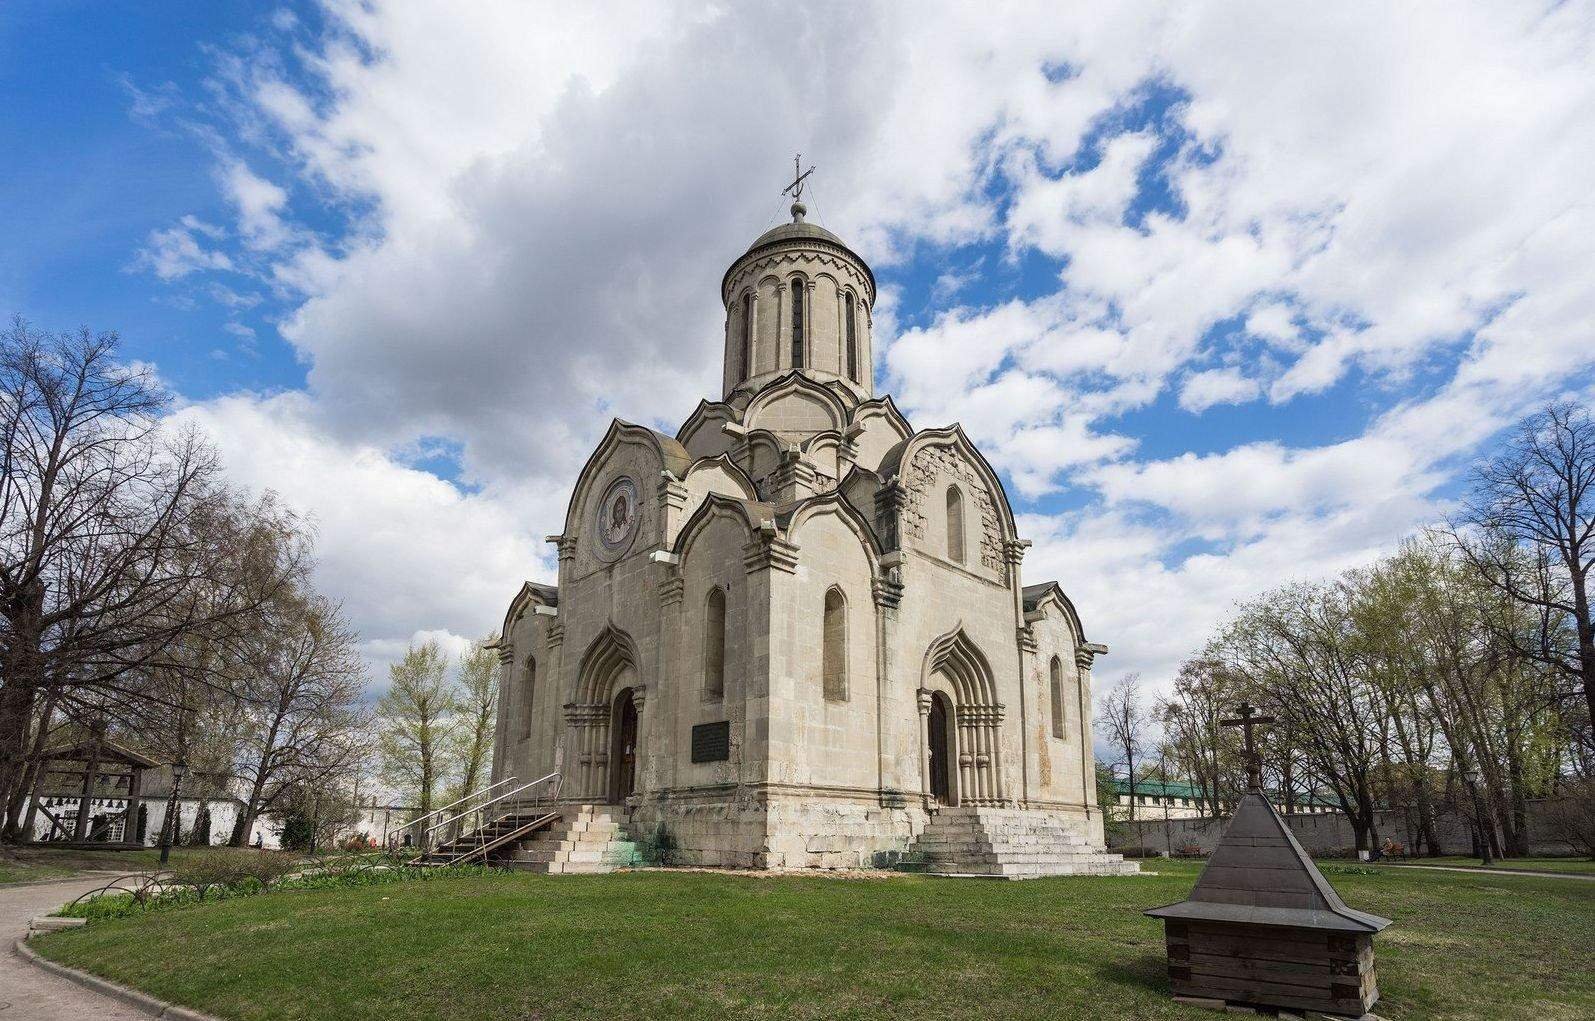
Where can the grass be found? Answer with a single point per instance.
(31, 864)
(680, 944)
(1580, 866)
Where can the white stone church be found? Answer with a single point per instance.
(794, 634)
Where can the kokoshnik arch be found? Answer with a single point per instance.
(795, 632)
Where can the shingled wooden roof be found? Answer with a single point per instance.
(1259, 874)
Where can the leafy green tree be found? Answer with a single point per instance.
(416, 720)
(478, 706)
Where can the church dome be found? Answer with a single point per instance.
(799, 299)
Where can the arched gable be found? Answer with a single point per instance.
(833, 504)
(1048, 598)
(957, 658)
(823, 450)
(530, 595)
(760, 453)
(717, 474)
(914, 463)
(877, 427)
(752, 516)
(607, 658)
(703, 433)
(795, 405)
(665, 452)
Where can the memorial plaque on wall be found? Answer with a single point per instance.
(711, 742)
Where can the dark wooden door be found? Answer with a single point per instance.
(626, 750)
(940, 779)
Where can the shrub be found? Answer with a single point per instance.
(208, 869)
(1140, 851)
(266, 867)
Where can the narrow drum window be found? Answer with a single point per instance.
(797, 323)
(955, 525)
(714, 644)
(852, 339)
(528, 691)
(833, 656)
(1058, 705)
(747, 335)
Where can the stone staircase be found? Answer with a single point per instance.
(587, 838)
(1008, 842)
(469, 847)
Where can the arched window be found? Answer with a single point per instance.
(714, 644)
(955, 525)
(833, 655)
(852, 338)
(1058, 705)
(798, 294)
(747, 335)
(528, 691)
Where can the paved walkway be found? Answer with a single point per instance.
(1590, 877)
(29, 993)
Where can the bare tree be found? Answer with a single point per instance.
(300, 719)
(1294, 647)
(1204, 693)
(478, 704)
(416, 719)
(1124, 719)
(107, 551)
(1538, 497)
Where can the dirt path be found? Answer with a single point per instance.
(29, 993)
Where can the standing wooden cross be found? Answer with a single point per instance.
(1248, 721)
(795, 189)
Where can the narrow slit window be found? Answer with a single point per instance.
(955, 525)
(1059, 707)
(747, 335)
(797, 324)
(528, 693)
(714, 644)
(852, 339)
(833, 656)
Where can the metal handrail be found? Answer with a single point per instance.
(483, 821)
(483, 807)
(396, 838)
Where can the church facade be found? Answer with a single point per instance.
(795, 633)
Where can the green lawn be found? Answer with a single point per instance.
(668, 944)
(1580, 866)
(30, 864)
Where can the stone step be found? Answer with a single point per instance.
(1040, 857)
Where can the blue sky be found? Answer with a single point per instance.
(1229, 293)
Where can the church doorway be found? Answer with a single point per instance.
(624, 754)
(939, 726)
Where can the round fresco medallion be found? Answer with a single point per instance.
(617, 517)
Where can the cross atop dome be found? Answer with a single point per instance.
(795, 189)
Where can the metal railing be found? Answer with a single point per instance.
(417, 827)
(472, 832)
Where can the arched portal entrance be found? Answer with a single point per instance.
(962, 722)
(939, 731)
(623, 773)
(607, 682)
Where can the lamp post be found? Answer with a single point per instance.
(178, 769)
(1471, 777)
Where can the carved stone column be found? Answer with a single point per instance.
(926, 698)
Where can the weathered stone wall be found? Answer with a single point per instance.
(1332, 831)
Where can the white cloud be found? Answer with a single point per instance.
(1356, 189)
(172, 253)
(409, 555)
(1203, 390)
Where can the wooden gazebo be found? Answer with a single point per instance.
(76, 780)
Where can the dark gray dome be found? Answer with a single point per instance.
(795, 231)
